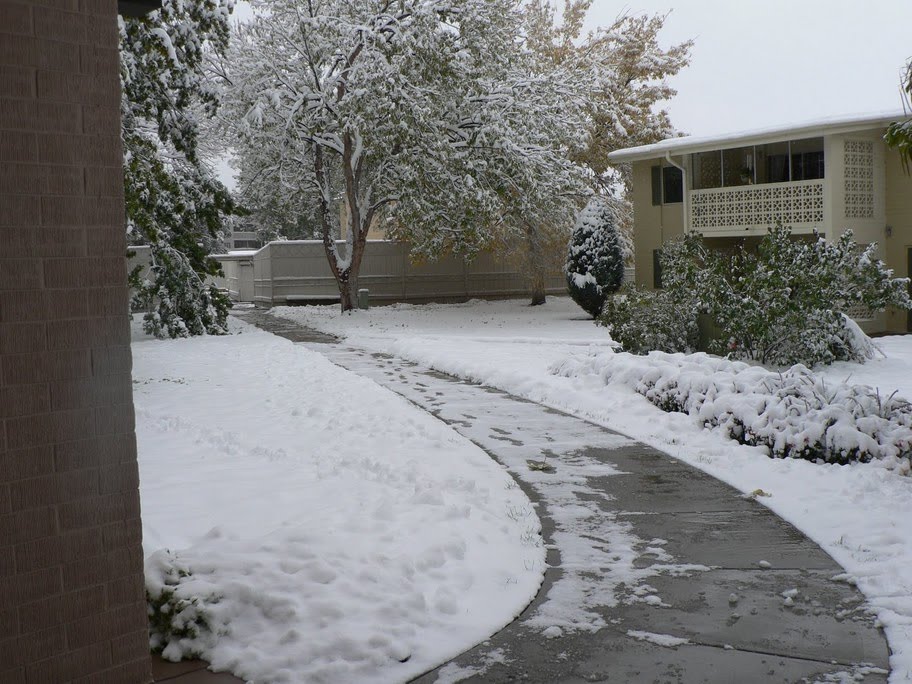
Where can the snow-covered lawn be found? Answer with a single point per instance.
(331, 531)
(859, 513)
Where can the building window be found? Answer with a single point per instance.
(773, 163)
(672, 185)
(738, 167)
(667, 185)
(807, 159)
(656, 185)
(707, 170)
(797, 160)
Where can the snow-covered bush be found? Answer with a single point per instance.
(642, 320)
(179, 624)
(783, 303)
(794, 414)
(595, 257)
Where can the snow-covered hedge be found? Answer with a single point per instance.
(793, 413)
(781, 302)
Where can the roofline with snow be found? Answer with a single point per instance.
(809, 129)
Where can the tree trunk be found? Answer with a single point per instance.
(347, 278)
(536, 266)
(321, 172)
(348, 292)
(358, 222)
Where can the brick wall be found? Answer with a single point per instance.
(71, 590)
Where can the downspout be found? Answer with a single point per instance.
(684, 189)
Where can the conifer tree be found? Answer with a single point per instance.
(595, 258)
(173, 201)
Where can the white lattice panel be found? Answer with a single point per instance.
(859, 313)
(798, 204)
(859, 179)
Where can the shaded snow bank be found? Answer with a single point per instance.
(303, 548)
(858, 513)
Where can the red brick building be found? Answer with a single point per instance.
(72, 604)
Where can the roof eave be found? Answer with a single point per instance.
(679, 146)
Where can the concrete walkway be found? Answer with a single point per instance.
(188, 672)
(656, 572)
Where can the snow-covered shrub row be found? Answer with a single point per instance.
(793, 413)
(781, 303)
(643, 321)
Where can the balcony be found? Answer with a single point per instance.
(752, 209)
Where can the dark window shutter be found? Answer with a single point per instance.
(656, 185)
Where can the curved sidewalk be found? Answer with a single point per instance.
(657, 571)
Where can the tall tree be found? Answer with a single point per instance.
(621, 70)
(426, 112)
(174, 203)
(627, 68)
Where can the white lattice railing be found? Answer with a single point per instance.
(757, 207)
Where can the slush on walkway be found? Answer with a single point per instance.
(657, 571)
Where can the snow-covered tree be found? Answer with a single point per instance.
(620, 71)
(628, 68)
(899, 134)
(785, 302)
(174, 203)
(425, 114)
(595, 258)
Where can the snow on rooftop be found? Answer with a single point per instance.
(829, 124)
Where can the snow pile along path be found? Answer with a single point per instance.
(857, 513)
(319, 527)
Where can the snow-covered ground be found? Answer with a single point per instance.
(858, 513)
(331, 531)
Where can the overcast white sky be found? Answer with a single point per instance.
(759, 63)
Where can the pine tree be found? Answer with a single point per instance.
(595, 258)
(173, 201)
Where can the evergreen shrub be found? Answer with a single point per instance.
(595, 257)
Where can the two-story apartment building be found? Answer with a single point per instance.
(828, 175)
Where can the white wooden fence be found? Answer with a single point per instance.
(297, 272)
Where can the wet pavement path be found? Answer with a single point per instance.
(656, 571)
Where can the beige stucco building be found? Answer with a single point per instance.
(829, 175)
